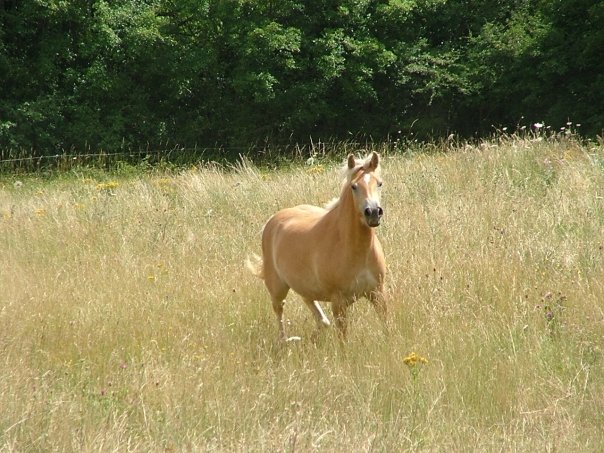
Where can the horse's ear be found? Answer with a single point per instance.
(375, 161)
(351, 162)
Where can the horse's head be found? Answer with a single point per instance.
(365, 184)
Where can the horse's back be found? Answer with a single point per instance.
(296, 220)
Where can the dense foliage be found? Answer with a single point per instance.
(115, 74)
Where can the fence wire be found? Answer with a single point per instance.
(175, 155)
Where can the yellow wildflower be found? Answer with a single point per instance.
(164, 182)
(109, 185)
(315, 170)
(413, 359)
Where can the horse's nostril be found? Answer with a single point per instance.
(380, 211)
(368, 212)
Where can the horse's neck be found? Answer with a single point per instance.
(346, 221)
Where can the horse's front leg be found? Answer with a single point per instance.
(339, 308)
(378, 300)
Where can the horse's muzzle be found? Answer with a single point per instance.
(373, 216)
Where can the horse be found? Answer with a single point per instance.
(329, 254)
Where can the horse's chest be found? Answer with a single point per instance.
(364, 282)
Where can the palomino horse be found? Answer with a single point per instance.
(332, 254)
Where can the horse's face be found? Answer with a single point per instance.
(366, 186)
(366, 194)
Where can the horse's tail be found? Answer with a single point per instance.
(255, 265)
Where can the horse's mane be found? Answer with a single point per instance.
(348, 174)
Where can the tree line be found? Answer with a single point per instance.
(125, 74)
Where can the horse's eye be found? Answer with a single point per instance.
(354, 186)
(379, 184)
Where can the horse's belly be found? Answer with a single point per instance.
(324, 289)
(302, 280)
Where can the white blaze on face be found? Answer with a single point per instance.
(373, 200)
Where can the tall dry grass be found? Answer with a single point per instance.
(128, 321)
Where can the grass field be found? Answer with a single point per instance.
(129, 323)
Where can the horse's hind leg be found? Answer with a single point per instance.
(278, 304)
(278, 290)
(317, 312)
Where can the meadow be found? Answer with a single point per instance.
(128, 321)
